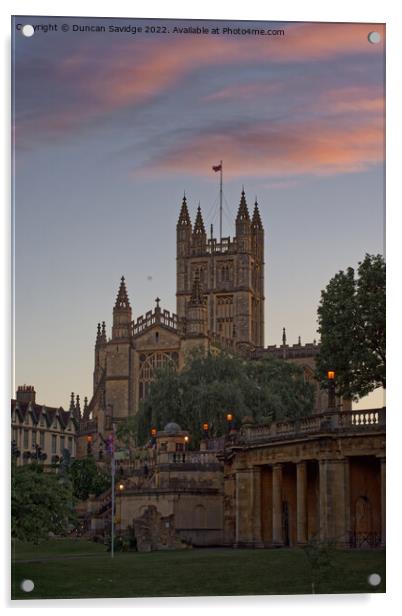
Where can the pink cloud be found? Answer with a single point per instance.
(352, 99)
(314, 148)
(136, 73)
(244, 92)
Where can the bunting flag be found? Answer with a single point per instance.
(217, 167)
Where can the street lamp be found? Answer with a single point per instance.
(205, 427)
(331, 388)
(229, 419)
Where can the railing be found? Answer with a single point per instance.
(331, 421)
(188, 457)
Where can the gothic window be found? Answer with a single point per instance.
(151, 362)
(224, 316)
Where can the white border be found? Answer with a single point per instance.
(342, 10)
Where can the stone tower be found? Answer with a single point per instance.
(118, 358)
(230, 272)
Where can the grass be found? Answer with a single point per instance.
(81, 569)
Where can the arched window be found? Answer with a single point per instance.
(151, 362)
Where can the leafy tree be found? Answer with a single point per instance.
(351, 318)
(211, 386)
(87, 478)
(40, 503)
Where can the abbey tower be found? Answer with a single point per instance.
(231, 273)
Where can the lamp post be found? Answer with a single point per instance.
(186, 440)
(121, 488)
(229, 419)
(112, 445)
(205, 428)
(331, 389)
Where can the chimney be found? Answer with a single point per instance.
(26, 393)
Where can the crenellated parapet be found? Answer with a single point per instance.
(286, 351)
(155, 317)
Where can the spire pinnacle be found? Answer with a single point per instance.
(122, 300)
(72, 403)
(242, 213)
(103, 335)
(284, 337)
(184, 216)
(199, 223)
(256, 221)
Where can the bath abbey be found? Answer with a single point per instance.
(220, 305)
(285, 483)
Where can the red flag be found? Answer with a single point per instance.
(217, 168)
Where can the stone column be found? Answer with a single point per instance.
(256, 511)
(334, 500)
(301, 478)
(323, 491)
(277, 531)
(248, 507)
(383, 502)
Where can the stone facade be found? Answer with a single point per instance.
(321, 478)
(183, 486)
(40, 432)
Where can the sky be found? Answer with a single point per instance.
(111, 128)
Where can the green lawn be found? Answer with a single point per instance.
(80, 569)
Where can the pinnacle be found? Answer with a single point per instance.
(122, 300)
(184, 217)
(242, 213)
(199, 223)
(256, 221)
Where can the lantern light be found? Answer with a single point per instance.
(229, 417)
(153, 432)
(205, 427)
(89, 438)
(186, 439)
(331, 375)
(121, 486)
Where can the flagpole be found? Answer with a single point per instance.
(220, 206)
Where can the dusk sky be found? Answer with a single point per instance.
(112, 128)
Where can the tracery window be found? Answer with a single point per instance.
(224, 315)
(149, 362)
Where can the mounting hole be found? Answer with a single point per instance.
(28, 30)
(374, 579)
(27, 585)
(374, 37)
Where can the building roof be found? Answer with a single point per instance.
(36, 410)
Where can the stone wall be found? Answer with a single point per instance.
(156, 532)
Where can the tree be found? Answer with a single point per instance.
(87, 478)
(40, 503)
(211, 386)
(351, 318)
